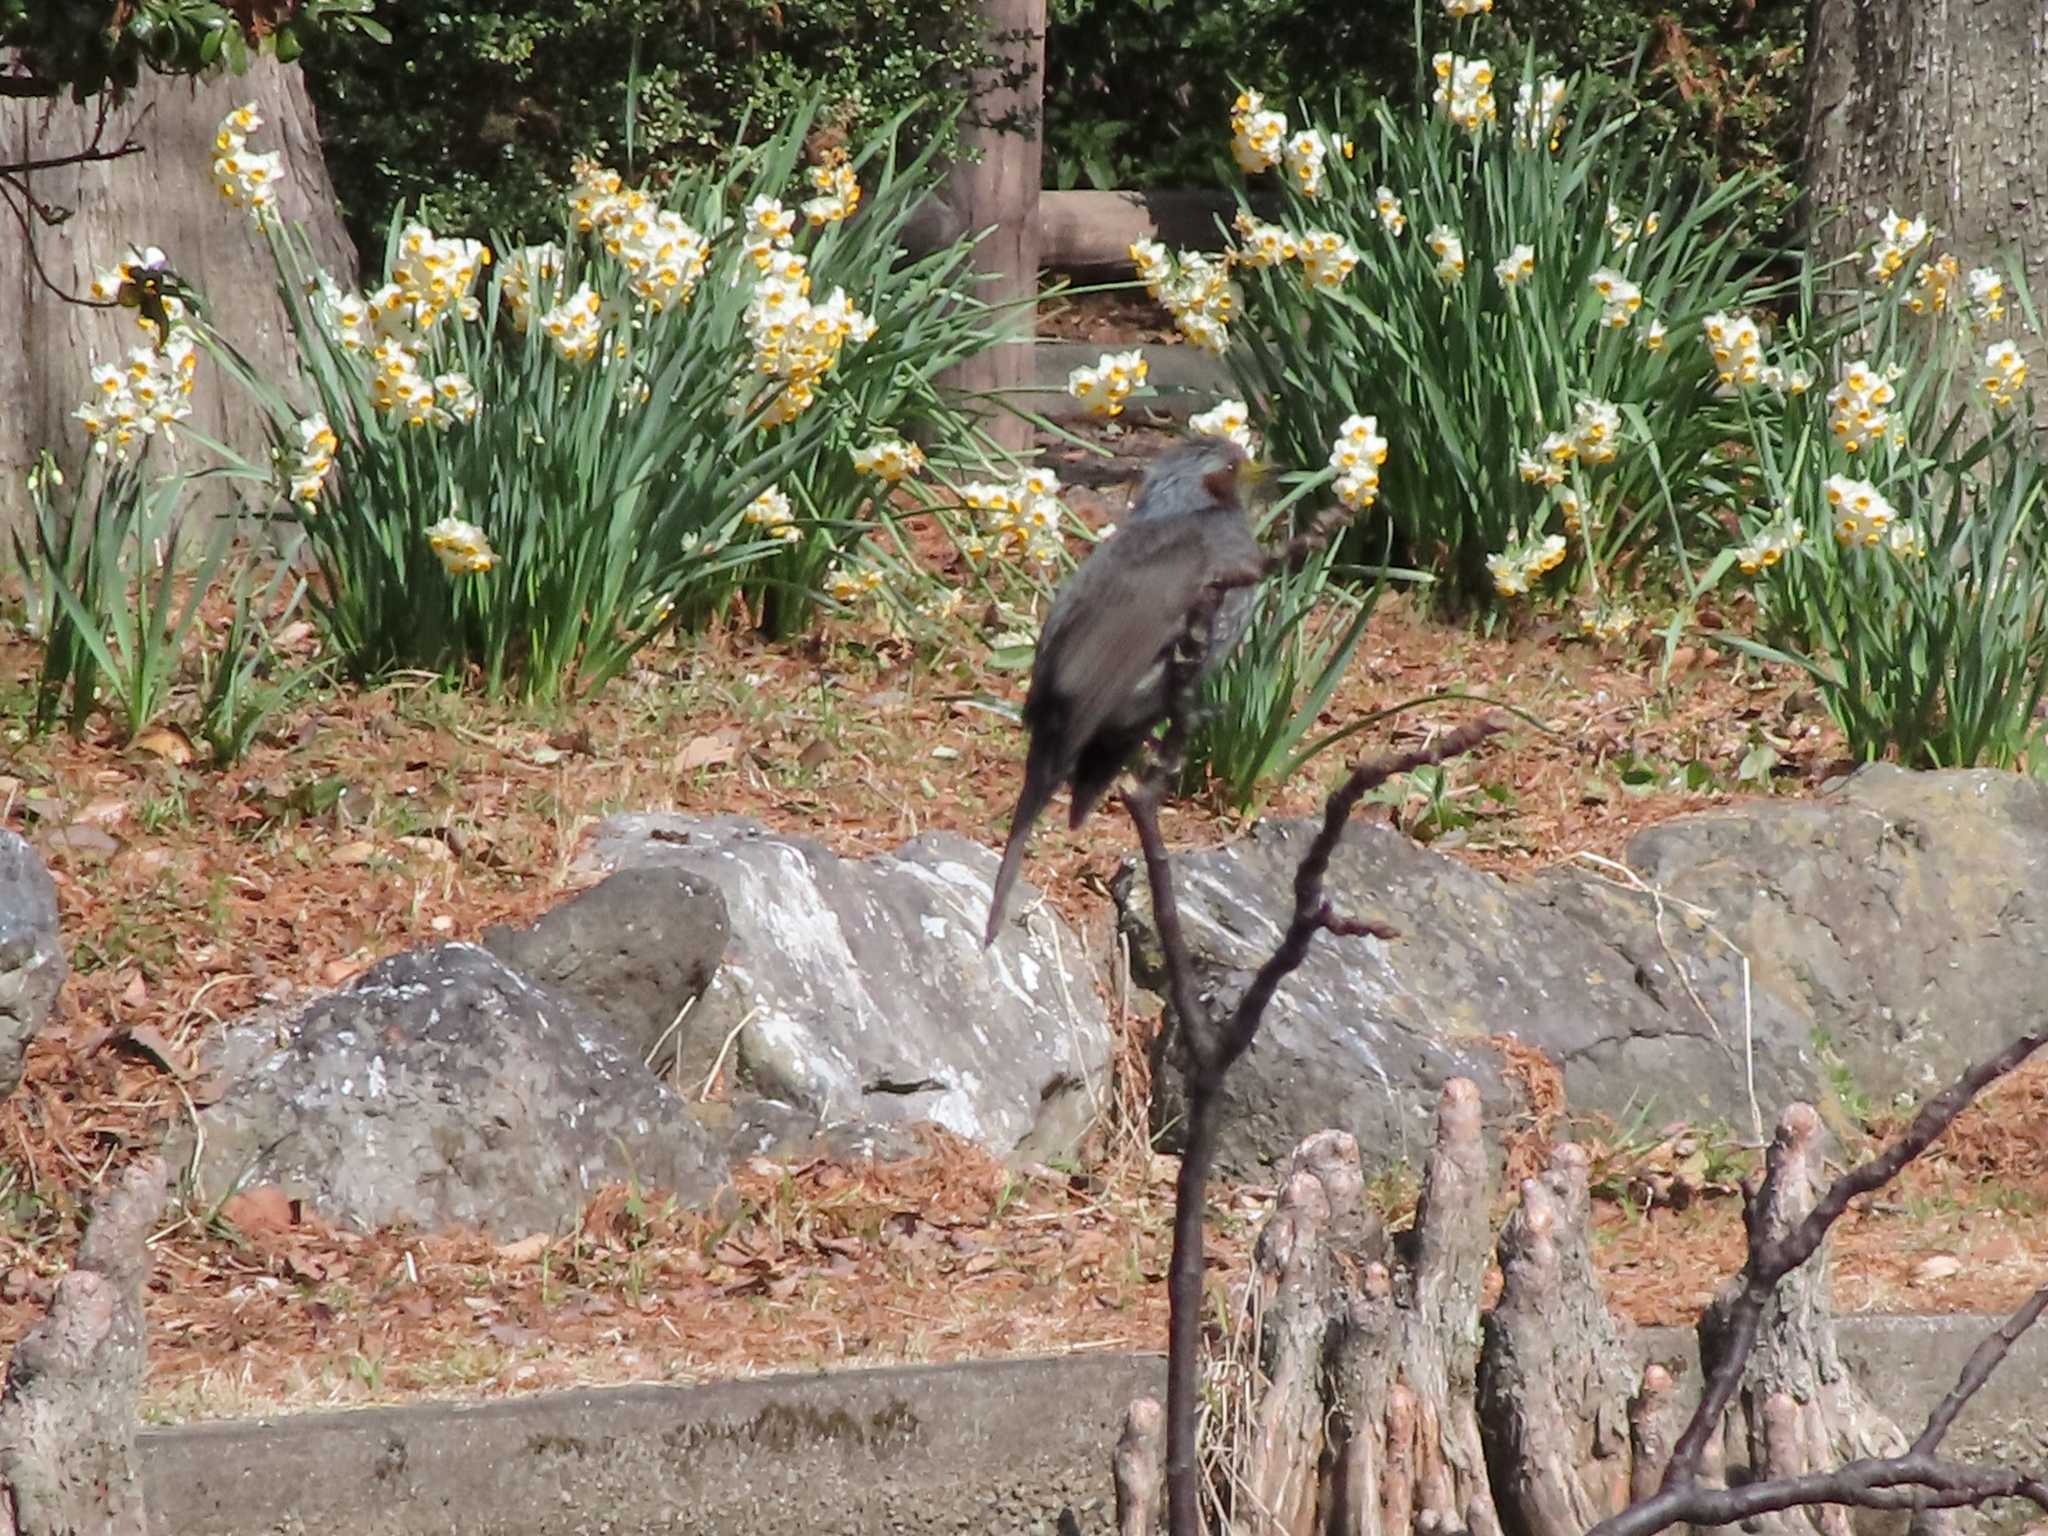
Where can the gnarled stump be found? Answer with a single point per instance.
(1554, 1376)
(1798, 1409)
(1357, 1395)
(1316, 1250)
(68, 1412)
(1346, 1401)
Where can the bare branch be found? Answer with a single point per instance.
(92, 155)
(1770, 1260)
(1984, 1359)
(1209, 1059)
(1316, 537)
(10, 188)
(1143, 805)
(1912, 1481)
(1310, 908)
(1917, 1480)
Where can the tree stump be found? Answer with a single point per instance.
(1361, 1394)
(1554, 1375)
(1799, 1409)
(1345, 1400)
(68, 1411)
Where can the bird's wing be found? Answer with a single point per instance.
(1116, 617)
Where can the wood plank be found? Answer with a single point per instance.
(1183, 380)
(1092, 232)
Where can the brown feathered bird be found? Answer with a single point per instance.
(1098, 683)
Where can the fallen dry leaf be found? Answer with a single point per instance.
(524, 1250)
(147, 1039)
(336, 973)
(166, 742)
(265, 1208)
(713, 751)
(83, 839)
(105, 811)
(1942, 1266)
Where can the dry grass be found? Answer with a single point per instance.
(385, 818)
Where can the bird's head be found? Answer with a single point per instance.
(1203, 473)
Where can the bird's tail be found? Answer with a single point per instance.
(1039, 784)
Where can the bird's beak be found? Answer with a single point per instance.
(1254, 473)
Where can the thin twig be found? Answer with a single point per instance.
(667, 1034)
(718, 1061)
(1209, 1060)
(1311, 910)
(1771, 1259)
(22, 216)
(1984, 1359)
(1912, 1482)
(91, 155)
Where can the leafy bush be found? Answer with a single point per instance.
(1724, 82)
(1892, 525)
(89, 46)
(535, 465)
(1512, 292)
(472, 118)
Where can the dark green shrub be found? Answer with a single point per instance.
(471, 117)
(1726, 78)
(89, 46)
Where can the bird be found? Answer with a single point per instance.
(1099, 679)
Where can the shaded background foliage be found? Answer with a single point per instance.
(1124, 76)
(474, 112)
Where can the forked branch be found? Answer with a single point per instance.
(1210, 1046)
(1917, 1479)
(1771, 1259)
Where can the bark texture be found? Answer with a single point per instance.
(164, 197)
(994, 186)
(68, 1411)
(1799, 1409)
(1554, 1385)
(1362, 1393)
(1938, 107)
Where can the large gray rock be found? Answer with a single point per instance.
(1898, 923)
(1364, 1034)
(31, 956)
(858, 989)
(1891, 930)
(443, 1089)
(637, 949)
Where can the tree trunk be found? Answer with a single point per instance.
(164, 197)
(999, 187)
(68, 1412)
(1934, 108)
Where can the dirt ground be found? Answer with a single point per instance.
(380, 819)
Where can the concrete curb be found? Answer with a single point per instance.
(998, 1447)
(991, 1446)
